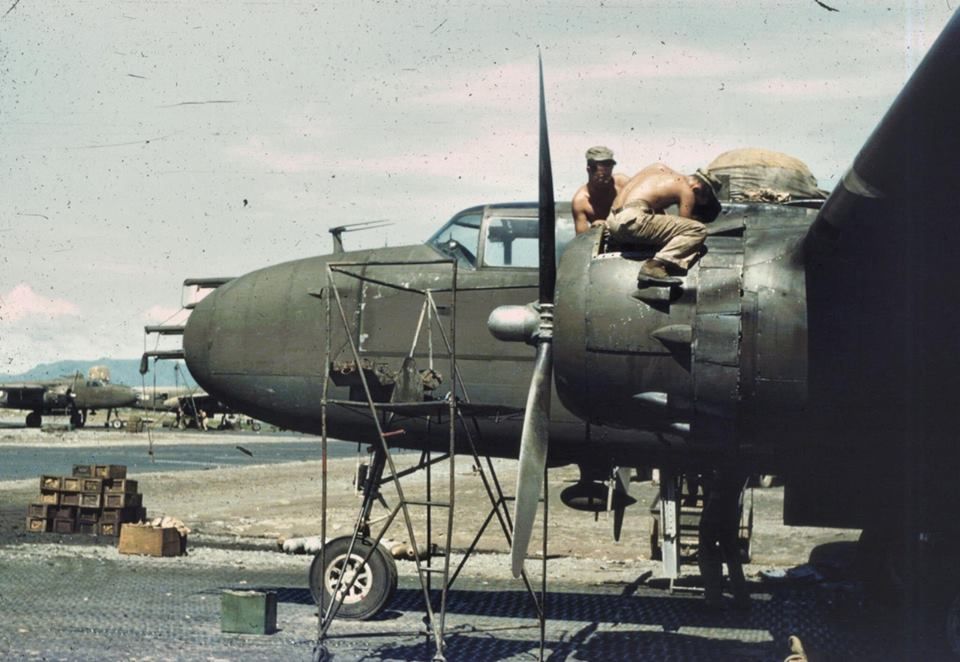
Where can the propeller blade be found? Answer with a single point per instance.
(533, 455)
(621, 489)
(536, 419)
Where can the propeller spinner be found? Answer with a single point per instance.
(536, 420)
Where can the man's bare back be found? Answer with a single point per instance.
(659, 186)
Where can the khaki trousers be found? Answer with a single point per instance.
(680, 237)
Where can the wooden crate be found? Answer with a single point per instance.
(71, 484)
(90, 528)
(38, 524)
(91, 485)
(121, 500)
(123, 486)
(50, 497)
(110, 470)
(88, 516)
(39, 510)
(109, 528)
(63, 512)
(149, 541)
(69, 498)
(121, 515)
(91, 500)
(83, 470)
(51, 482)
(64, 526)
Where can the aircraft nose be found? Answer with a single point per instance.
(255, 339)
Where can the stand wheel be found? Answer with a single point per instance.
(374, 583)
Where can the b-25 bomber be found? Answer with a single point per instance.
(813, 340)
(73, 396)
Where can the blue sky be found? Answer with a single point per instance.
(131, 133)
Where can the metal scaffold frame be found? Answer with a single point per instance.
(383, 412)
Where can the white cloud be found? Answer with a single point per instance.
(22, 302)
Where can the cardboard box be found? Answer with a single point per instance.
(71, 484)
(50, 482)
(248, 612)
(149, 541)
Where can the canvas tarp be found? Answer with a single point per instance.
(763, 175)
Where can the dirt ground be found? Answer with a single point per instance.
(263, 504)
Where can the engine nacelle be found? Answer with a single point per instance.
(719, 360)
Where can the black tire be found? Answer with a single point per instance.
(116, 424)
(375, 582)
(34, 419)
(76, 419)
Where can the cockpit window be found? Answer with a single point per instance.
(510, 239)
(459, 238)
(513, 242)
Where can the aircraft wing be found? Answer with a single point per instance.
(22, 396)
(883, 293)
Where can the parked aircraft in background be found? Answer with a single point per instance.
(72, 395)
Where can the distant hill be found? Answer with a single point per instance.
(122, 371)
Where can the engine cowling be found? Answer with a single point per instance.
(720, 360)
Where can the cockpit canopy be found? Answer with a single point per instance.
(500, 236)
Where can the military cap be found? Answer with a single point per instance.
(600, 153)
(709, 180)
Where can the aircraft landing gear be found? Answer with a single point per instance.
(33, 419)
(366, 587)
(76, 418)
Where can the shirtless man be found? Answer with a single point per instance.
(592, 201)
(637, 218)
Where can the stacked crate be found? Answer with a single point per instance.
(95, 499)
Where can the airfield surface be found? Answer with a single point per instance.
(74, 597)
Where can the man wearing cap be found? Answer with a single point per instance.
(637, 218)
(592, 201)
